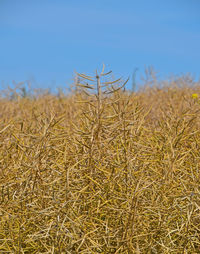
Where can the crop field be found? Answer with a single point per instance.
(101, 170)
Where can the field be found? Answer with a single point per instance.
(101, 170)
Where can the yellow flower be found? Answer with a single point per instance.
(195, 96)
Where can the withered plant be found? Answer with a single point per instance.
(101, 170)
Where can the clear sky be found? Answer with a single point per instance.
(46, 40)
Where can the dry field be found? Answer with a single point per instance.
(105, 171)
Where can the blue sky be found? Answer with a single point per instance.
(47, 40)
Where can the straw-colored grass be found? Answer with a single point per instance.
(101, 173)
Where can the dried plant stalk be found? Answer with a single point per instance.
(101, 170)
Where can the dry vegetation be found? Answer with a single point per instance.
(105, 171)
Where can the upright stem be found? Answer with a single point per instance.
(98, 97)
